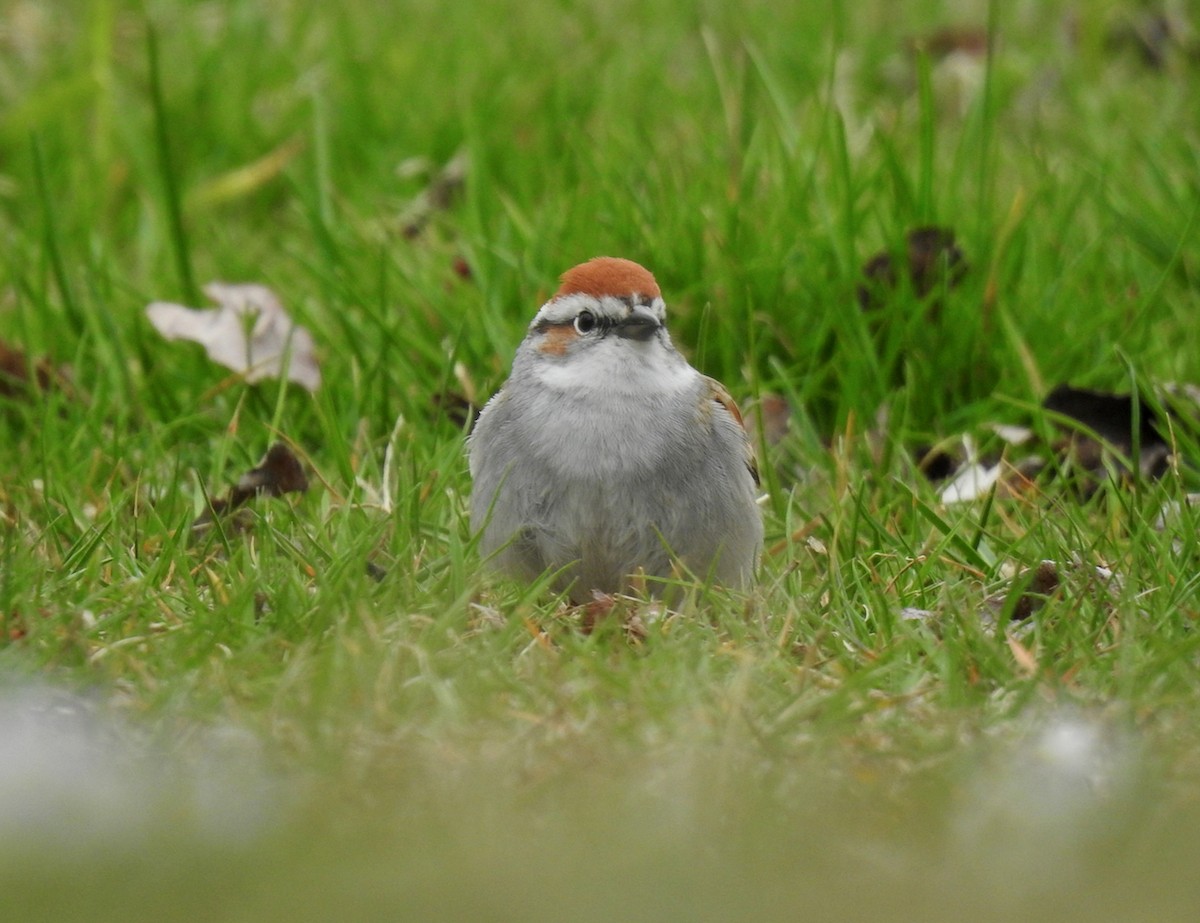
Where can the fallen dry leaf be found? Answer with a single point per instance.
(461, 406)
(454, 406)
(1177, 519)
(18, 373)
(967, 475)
(1024, 657)
(970, 482)
(1028, 592)
(439, 195)
(600, 608)
(1029, 588)
(1110, 415)
(630, 613)
(249, 332)
(952, 40)
(1102, 431)
(776, 419)
(958, 59)
(934, 260)
(1157, 36)
(280, 472)
(1115, 419)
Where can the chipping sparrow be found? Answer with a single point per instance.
(606, 453)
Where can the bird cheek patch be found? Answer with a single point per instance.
(557, 339)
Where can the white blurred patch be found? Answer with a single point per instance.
(1177, 519)
(73, 778)
(249, 332)
(66, 776)
(972, 481)
(1033, 816)
(1013, 435)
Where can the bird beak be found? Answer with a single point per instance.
(639, 325)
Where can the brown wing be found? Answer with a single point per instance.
(723, 398)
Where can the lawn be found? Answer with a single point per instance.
(320, 706)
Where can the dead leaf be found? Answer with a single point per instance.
(1022, 655)
(630, 613)
(970, 482)
(1028, 592)
(1103, 430)
(280, 472)
(776, 419)
(950, 40)
(249, 332)
(1158, 37)
(934, 261)
(461, 406)
(1112, 418)
(439, 195)
(454, 406)
(1011, 433)
(936, 462)
(1176, 518)
(959, 61)
(967, 475)
(376, 572)
(18, 373)
(600, 608)
(1109, 415)
(1029, 588)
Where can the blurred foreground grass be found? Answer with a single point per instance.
(1055, 817)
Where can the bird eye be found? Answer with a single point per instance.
(585, 322)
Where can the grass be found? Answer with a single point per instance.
(256, 710)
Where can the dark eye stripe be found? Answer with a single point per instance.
(599, 323)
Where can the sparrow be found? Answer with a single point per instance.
(605, 455)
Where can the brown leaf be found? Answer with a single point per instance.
(950, 40)
(18, 373)
(439, 195)
(936, 462)
(456, 407)
(600, 608)
(963, 474)
(1043, 583)
(776, 419)
(1024, 657)
(280, 472)
(1112, 418)
(626, 611)
(934, 260)
(1155, 36)
(376, 572)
